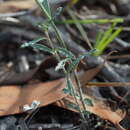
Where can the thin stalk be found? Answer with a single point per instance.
(49, 40)
(58, 34)
(79, 90)
(74, 94)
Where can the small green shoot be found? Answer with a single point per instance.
(104, 39)
(65, 56)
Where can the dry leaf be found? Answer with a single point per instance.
(100, 109)
(14, 6)
(13, 98)
(89, 75)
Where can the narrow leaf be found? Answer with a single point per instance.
(73, 106)
(58, 12)
(66, 91)
(27, 44)
(73, 65)
(105, 37)
(87, 54)
(44, 4)
(41, 48)
(65, 52)
(88, 102)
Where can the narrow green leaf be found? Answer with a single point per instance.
(112, 37)
(73, 106)
(99, 37)
(44, 5)
(30, 43)
(87, 54)
(91, 21)
(65, 52)
(105, 37)
(44, 25)
(58, 12)
(76, 61)
(88, 102)
(108, 40)
(42, 48)
(73, 65)
(66, 91)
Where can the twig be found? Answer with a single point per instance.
(108, 84)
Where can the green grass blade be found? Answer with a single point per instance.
(109, 40)
(105, 37)
(99, 37)
(112, 37)
(91, 21)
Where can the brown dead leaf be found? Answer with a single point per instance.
(100, 109)
(12, 98)
(89, 75)
(14, 6)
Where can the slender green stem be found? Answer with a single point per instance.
(79, 90)
(74, 95)
(58, 34)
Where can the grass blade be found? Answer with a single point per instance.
(91, 21)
